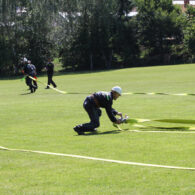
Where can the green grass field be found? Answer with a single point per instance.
(44, 121)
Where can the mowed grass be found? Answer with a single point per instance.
(44, 121)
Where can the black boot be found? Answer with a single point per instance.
(78, 130)
(32, 90)
(35, 87)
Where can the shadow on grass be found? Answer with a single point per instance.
(186, 129)
(105, 132)
(27, 93)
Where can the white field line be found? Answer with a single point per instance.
(153, 93)
(101, 159)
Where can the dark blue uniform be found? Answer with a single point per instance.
(30, 70)
(50, 69)
(105, 100)
(92, 105)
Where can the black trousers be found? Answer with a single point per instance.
(35, 83)
(50, 80)
(30, 84)
(94, 115)
(29, 81)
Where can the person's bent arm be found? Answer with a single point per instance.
(110, 114)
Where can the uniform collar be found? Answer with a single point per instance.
(111, 95)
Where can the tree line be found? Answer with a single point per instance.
(95, 34)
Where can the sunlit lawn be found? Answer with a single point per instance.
(44, 121)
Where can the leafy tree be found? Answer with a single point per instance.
(159, 28)
(126, 49)
(189, 32)
(25, 28)
(103, 28)
(89, 46)
(7, 19)
(94, 34)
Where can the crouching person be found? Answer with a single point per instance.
(92, 105)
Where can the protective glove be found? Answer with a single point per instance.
(124, 120)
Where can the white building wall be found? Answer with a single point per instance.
(181, 2)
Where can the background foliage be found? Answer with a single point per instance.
(95, 34)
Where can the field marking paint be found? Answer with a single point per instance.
(159, 93)
(100, 159)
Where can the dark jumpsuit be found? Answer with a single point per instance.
(30, 70)
(33, 74)
(50, 68)
(104, 100)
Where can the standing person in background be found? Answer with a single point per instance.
(50, 70)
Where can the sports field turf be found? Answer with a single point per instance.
(44, 120)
